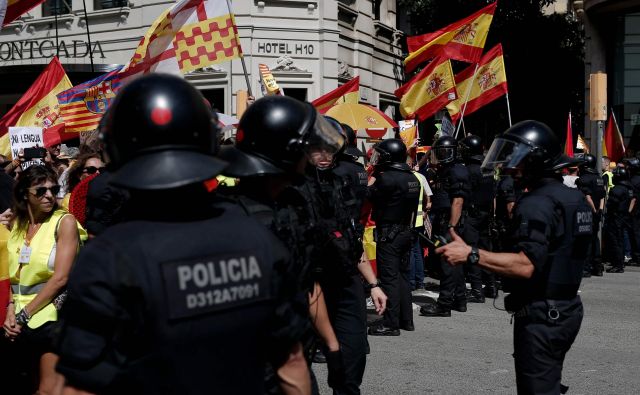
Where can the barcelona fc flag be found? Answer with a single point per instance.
(82, 106)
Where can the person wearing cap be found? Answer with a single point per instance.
(188, 295)
(551, 232)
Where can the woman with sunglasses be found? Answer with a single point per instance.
(42, 247)
(88, 163)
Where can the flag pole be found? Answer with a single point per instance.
(244, 65)
(508, 108)
(466, 99)
(57, 41)
(86, 23)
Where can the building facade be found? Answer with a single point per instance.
(311, 46)
(612, 38)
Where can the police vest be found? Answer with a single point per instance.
(27, 280)
(419, 212)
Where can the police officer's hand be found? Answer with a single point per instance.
(11, 328)
(379, 300)
(335, 367)
(455, 252)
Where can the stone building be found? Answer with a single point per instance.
(311, 46)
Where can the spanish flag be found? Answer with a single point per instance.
(4, 272)
(463, 40)
(346, 93)
(613, 142)
(38, 106)
(489, 84)
(428, 91)
(10, 10)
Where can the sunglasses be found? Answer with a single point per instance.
(41, 191)
(92, 169)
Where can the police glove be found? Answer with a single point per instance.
(335, 367)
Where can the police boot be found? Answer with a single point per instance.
(475, 296)
(382, 330)
(435, 310)
(615, 269)
(459, 306)
(491, 291)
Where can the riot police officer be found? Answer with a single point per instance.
(450, 200)
(619, 206)
(592, 185)
(394, 195)
(551, 233)
(185, 297)
(633, 165)
(476, 233)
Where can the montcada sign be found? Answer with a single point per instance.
(32, 49)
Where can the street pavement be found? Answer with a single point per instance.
(470, 353)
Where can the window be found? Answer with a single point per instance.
(105, 4)
(56, 7)
(215, 97)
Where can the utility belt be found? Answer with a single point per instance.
(388, 232)
(478, 211)
(513, 303)
(441, 219)
(547, 310)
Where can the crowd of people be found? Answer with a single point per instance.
(160, 261)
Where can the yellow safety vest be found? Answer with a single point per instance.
(34, 275)
(419, 212)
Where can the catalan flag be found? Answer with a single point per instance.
(191, 34)
(82, 106)
(10, 10)
(613, 142)
(490, 83)
(346, 93)
(269, 83)
(463, 40)
(39, 104)
(428, 91)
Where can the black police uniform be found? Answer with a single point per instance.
(617, 219)
(590, 183)
(552, 226)
(104, 204)
(337, 248)
(477, 226)
(452, 181)
(634, 228)
(177, 306)
(394, 197)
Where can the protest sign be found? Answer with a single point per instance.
(22, 137)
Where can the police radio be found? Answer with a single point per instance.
(436, 241)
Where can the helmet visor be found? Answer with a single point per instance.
(505, 154)
(442, 155)
(323, 136)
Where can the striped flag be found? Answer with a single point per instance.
(463, 40)
(429, 91)
(82, 106)
(489, 84)
(346, 93)
(10, 10)
(269, 84)
(190, 35)
(39, 104)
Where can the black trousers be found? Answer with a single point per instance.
(347, 310)
(634, 235)
(614, 239)
(541, 343)
(452, 284)
(476, 234)
(392, 260)
(594, 261)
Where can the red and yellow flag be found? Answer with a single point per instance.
(38, 106)
(428, 91)
(269, 83)
(463, 40)
(613, 142)
(489, 84)
(12, 9)
(346, 93)
(191, 34)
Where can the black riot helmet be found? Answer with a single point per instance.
(160, 134)
(529, 145)
(633, 164)
(471, 147)
(620, 174)
(589, 162)
(391, 153)
(274, 134)
(351, 146)
(444, 150)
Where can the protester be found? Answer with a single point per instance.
(87, 164)
(570, 178)
(42, 247)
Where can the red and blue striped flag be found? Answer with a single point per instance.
(82, 106)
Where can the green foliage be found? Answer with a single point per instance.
(543, 56)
